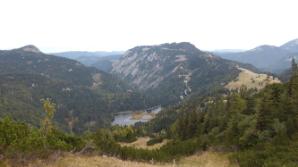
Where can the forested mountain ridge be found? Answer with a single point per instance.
(83, 94)
(170, 72)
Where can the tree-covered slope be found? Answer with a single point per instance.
(260, 128)
(83, 95)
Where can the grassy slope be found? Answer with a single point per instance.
(251, 80)
(206, 159)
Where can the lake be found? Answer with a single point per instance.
(132, 117)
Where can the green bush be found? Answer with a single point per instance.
(269, 155)
(124, 134)
(20, 139)
(172, 150)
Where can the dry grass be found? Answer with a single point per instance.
(137, 115)
(251, 80)
(141, 114)
(92, 161)
(206, 159)
(141, 142)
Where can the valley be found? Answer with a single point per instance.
(162, 105)
(148, 83)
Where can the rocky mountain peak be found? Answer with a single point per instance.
(180, 45)
(30, 48)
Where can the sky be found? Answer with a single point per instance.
(114, 25)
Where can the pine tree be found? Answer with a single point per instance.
(264, 118)
(294, 78)
(250, 106)
(292, 100)
(294, 67)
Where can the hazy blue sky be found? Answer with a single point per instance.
(59, 25)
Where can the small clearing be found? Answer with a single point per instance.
(141, 142)
(251, 80)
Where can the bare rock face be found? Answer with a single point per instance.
(147, 66)
(172, 70)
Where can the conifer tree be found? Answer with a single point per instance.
(264, 115)
(292, 100)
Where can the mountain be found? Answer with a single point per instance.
(227, 50)
(267, 58)
(169, 72)
(264, 57)
(78, 54)
(82, 93)
(291, 46)
(100, 60)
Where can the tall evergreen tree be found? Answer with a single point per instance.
(292, 100)
(264, 114)
(294, 67)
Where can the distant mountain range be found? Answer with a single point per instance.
(266, 57)
(78, 54)
(100, 60)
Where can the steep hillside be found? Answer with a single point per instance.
(169, 72)
(83, 95)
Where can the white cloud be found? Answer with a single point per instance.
(56, 25)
